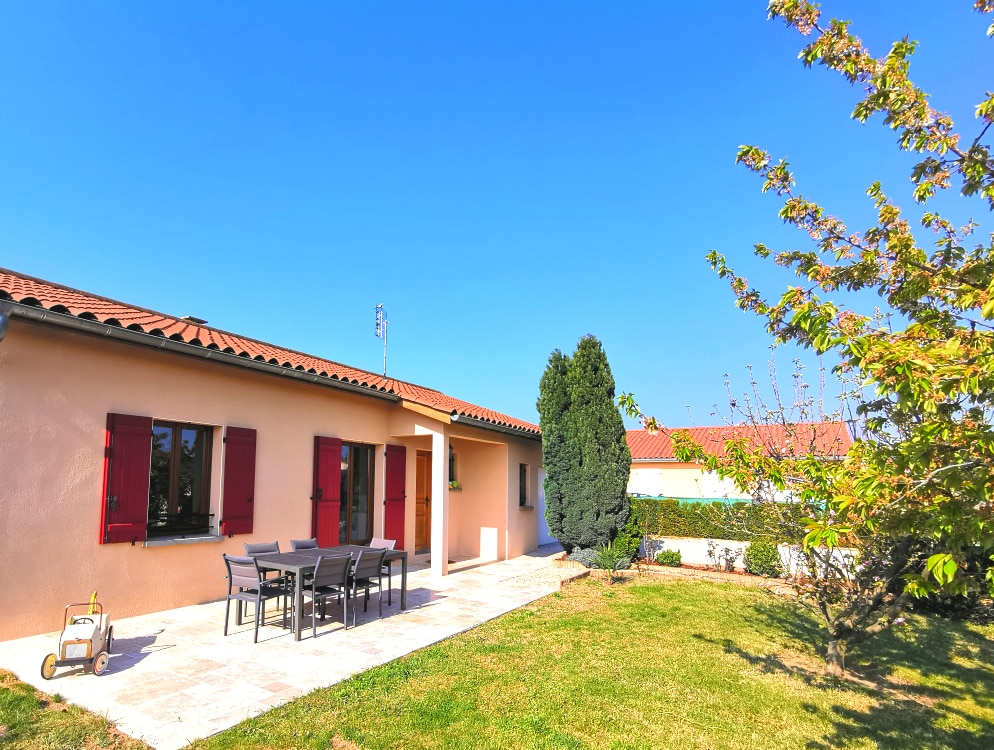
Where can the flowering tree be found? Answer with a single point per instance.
(923, 471)
(926, 466)
(853, 580)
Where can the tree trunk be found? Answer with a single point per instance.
(835, 658)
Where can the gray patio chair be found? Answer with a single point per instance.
(296, 544)
(367, 573)
(246, 584)
(265, 548)
(387, 567)
(261, 548)
(330, 579)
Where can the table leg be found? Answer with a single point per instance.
(403, 582)
(298, 599)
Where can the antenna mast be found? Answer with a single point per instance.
(381, 333)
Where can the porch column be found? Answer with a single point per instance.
(439, 504)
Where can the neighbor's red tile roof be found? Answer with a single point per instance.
(823, 438)
(62, 299)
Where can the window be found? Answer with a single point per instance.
(179, 479)
(453, 479)
(355, 522)
(522, 485)
(157, 480)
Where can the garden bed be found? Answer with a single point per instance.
(685, 570)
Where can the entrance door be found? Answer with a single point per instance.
(327, 490)
(422, 503)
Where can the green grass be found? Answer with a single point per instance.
(30, 720)
(653, 665)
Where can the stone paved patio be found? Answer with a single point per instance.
(174, 678)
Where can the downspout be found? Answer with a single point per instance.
(5, 308)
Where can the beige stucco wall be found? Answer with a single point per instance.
(477, 508)
(522, 526)
(674, 479)
(56, 388)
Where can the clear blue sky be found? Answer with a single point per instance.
(503, 177)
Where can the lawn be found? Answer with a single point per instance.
(653, 665)
(30, 720)
(642, 665)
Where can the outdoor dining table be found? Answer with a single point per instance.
(304, 561)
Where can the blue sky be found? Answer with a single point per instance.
(504, 177)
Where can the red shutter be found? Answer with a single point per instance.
(239, 481)
(327, 490)
(394, 494)
(127, 456)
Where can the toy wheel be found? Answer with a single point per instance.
(48, 667)
(100, 663)
(109, 646)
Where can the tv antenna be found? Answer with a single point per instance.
(381, 333)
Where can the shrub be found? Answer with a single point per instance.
(628, 538)
(737, 521)
(670, 557)
(585, 556)
(611, 557)
(762, 558)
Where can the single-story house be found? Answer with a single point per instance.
(657, 472)
(138, 446)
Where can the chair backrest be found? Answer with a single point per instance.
(383, 543)
(242, 572)
(332, 570)
(296, 544)
(261, 548)
(369, 562)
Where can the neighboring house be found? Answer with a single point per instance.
(137, 447)
(657, 472)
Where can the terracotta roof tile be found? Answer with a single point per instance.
(66, 300)
(825, 438)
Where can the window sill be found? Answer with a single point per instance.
(169, 541)
(526, 507)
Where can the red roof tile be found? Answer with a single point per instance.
(62, 299)
(824, 438)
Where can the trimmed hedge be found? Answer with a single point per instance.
(738, 521)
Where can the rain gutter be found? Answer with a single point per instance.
(485, 425)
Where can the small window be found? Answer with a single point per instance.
(179, 479)
(452, 467)
(522, 485)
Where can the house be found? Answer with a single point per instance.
(137, 447)
(657, 472)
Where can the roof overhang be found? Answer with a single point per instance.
(426, 411)
(485, 425)
(128, 336)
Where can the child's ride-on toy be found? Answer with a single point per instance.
(87, 637)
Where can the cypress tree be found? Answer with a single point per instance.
(553, 405)
(584, 451)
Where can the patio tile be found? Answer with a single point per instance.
(174, 678)
(148, 690)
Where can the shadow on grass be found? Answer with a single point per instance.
(902, 725)
(955, 664)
